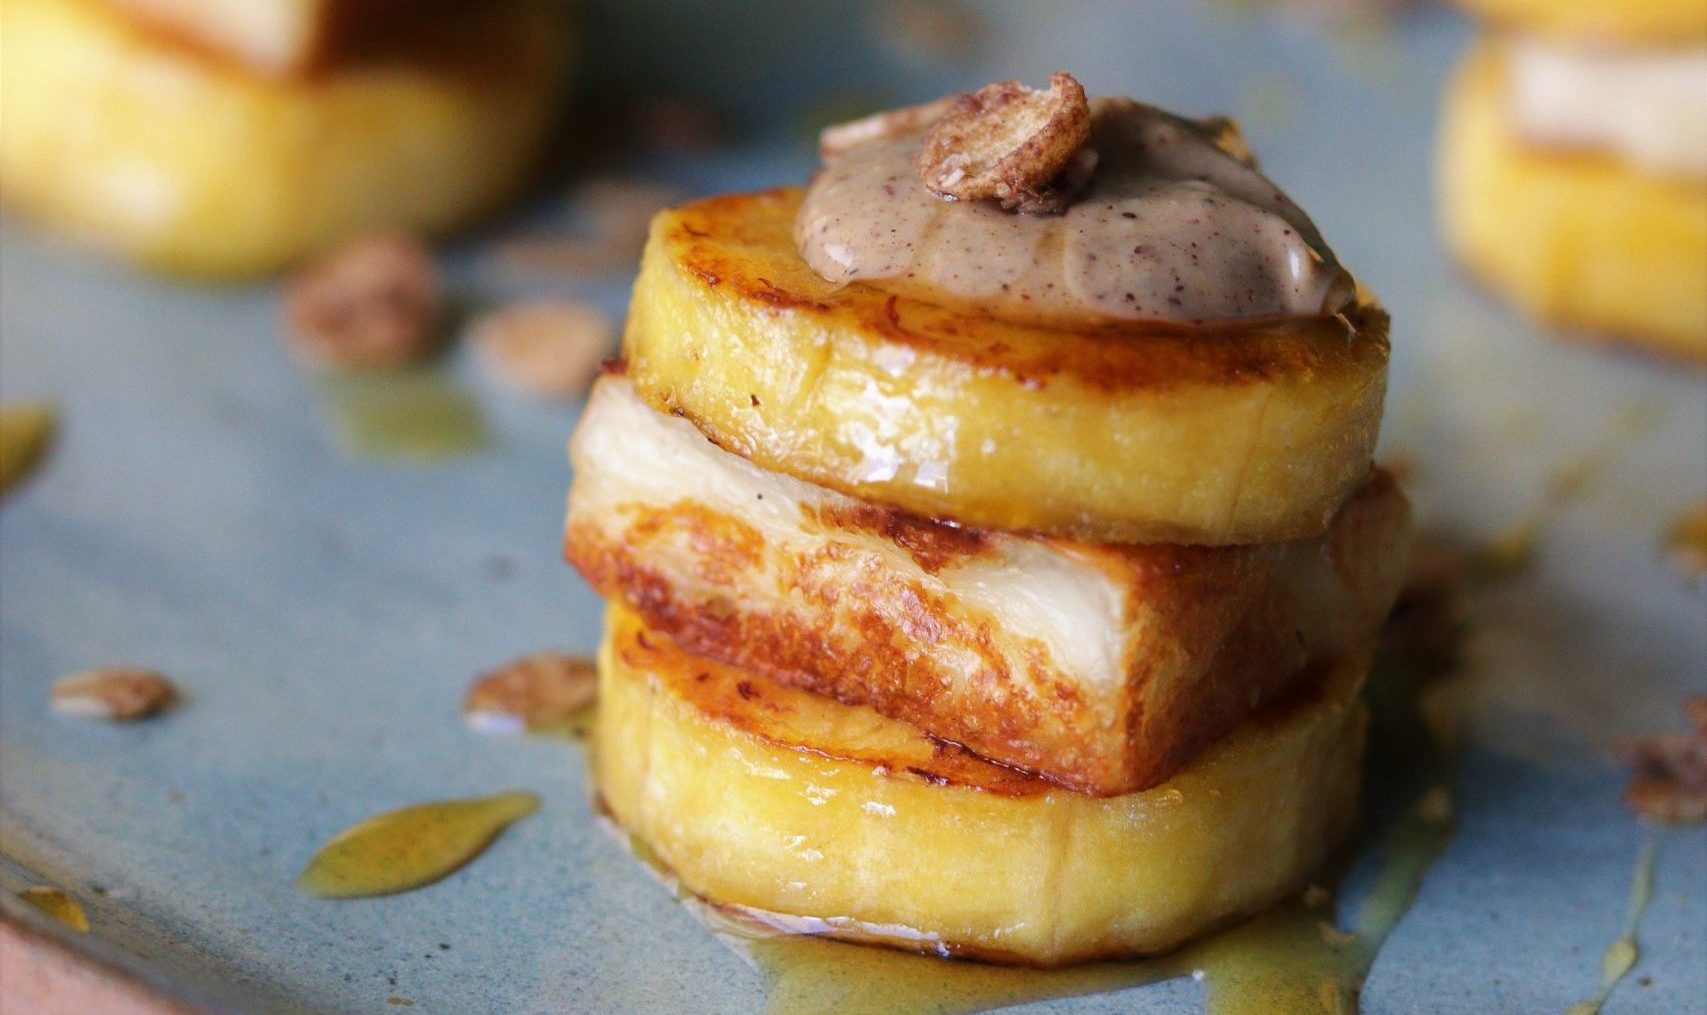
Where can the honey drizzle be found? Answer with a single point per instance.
(418, 414)
(59, 904)
(411, 847)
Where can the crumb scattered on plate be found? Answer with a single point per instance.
(534, 692)
(1669, 778)
(547, 348)
(120, 693)
(372, 303)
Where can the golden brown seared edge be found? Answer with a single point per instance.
(1131, 432)
(1208, 634)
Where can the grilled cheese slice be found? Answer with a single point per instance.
(1100, 667)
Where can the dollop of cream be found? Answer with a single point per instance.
(1648, 107)
(1177, 224)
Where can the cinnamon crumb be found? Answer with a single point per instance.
(119, 693)
(550, 349)
(1012, 144)
(1669, 779)
(372, 303)
(532, 692)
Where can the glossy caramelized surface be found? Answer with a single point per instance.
(1575, 238)
(126, 139)
(1149, 433)
(760, 795)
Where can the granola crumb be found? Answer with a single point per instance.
(547, 348)
(119, 693)
(534, 692)
(372, 303)
(1669, 778)
(841, 138)
(1012, 144)
(1317, 896)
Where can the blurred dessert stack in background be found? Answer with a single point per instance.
(1573, 166)
(238, 136)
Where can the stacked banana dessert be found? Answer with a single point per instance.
(993, 548)
(1573, 165)
(228, 137)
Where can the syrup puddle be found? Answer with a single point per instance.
(25, 431)
(419, 414)
(1621, 955)
(57, 904)
(408, 848)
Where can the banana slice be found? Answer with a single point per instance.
(1626, 22)
(770, 798)
(1575, 238)
(128, 141)
(1237, 434)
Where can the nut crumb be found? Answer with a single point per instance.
(1669, 781)
(531, 693)
(547, 348)
(1012, 144)
(841, 138)
(372, 303)
(120, 693)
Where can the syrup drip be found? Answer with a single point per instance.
(25, 431)
(1621, 955)
(421, 415)
(57, 904)
(408, 848)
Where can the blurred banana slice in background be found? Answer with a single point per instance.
(123, 136)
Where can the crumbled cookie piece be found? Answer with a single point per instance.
(1669, 782)
(841, 138)
(372, 303)
(1009, 143)
(547, 348)
(120, 693)
(534, 692)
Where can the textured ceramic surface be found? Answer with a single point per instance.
(323, 613)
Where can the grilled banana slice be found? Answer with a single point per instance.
(1240, 434)
(1575, 238)
(1103, 668)
(129, 141)
(1599, 22)
(765, 797)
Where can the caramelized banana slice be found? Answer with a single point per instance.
(135, 143)
(763, 796)
(1155, 433)
(1599, 22)
(1576, 238)
(1103, 668)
